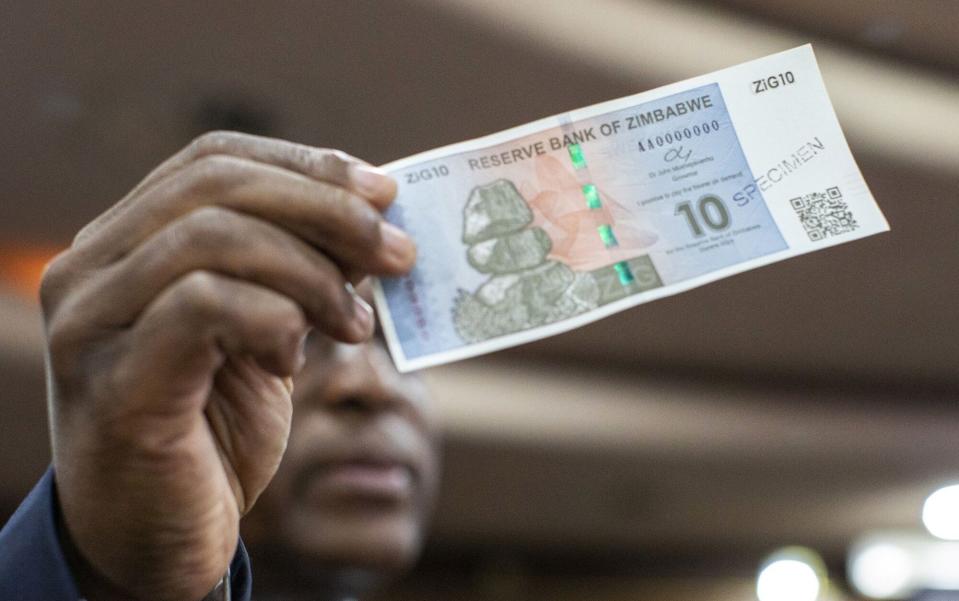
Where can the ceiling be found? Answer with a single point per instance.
(102, 95)
(847, 359)
(614, 461)
(921, 32)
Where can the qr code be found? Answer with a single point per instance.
(824, 214)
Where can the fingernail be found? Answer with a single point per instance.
(399, 248)
(301, 353)
(363, 316)
(369, 180)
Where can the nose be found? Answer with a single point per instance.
(364, 381)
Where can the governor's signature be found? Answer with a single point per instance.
(677, 154)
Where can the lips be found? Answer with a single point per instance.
(369, 479)
(358, 481)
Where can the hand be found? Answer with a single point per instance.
(173, 324)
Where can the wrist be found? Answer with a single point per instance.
(92, 585)
(222, 591)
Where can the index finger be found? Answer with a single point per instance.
(321, 164)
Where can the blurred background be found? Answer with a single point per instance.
(666, 453)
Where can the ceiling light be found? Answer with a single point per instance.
(940, 513)
(882, 571)
(792, 574)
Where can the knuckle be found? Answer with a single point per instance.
(54, 281)
(210, 224)
(206, 228)
(197, 294)
(208, 217)
(212, 142)
(85, 233)
(214, 173)
(333, 164)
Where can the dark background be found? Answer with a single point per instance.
(659, 453)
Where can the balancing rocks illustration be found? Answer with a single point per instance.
(525, 289)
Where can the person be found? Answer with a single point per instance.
(348, 506)
(174, 324)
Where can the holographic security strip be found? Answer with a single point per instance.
(592, 196)
(607, 235)
(625, 274)
(593, 201)
(576, 154)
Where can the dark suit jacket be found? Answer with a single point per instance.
(34, 568)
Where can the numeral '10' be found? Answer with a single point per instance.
(710, 211)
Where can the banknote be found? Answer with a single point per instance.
(554, 224)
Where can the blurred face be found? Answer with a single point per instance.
(358, 477)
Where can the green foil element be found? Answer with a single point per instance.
(606, 233)
(592, 196)
(625, 274)
(576, 154)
